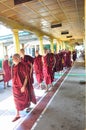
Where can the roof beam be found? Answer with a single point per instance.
(17, 25)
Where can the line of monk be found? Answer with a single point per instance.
(22, 74)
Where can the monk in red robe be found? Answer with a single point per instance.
(74, 55)
(7, 71)
(56, 63)
(47, 69)
(59, 64)
(38, 67)
(64, 58)
(68, 61)
(51, 64)
(28, 61)
(20, 85)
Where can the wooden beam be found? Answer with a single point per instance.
(20, 26)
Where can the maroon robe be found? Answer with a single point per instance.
(59, 64)
(48, 68)
(55, 55)
(7, 70)
(22, 100)
(27, 62)
(38, 68)
(46, 74)
(74, 55)
(68, 61)
(64, 58)
(51, 64)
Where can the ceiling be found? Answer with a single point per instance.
(38, 16)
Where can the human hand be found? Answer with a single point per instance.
(23, 89)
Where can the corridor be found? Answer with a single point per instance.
(62, 108)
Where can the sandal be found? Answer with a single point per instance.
(16, 118)
(28, 110)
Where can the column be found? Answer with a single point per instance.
(35, 47)
(60, 45)
(85, 33)
(70, 48)
(73, 47)
(63, 45)
(22, 46)
(1, 50)
(16, 40)
(6, 53)
(57, 47)
(51, 45)
(41, 46)
(67, 46)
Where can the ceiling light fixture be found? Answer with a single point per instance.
(20, 1)
(69, 36)
(64, 32)
(56, 25)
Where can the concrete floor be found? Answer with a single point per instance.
(66, 109)
(7, 108)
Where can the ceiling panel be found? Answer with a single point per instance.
(9, 3)
(3, 7)
(49, 2)
(41, 14)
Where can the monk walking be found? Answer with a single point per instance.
(74, 55)
(20, 85)
(51, 61)
(28, 61)
(38, 67)
(68, 61)
(7, 71)
(47, 69)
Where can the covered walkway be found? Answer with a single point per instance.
(63, 24)
(66, 109)
(63, 108)
(7, 108)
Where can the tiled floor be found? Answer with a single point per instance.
(33, 117)
(7, 108)
(66, 108)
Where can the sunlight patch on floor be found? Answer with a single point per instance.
(7, 108)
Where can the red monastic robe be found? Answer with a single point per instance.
(48, 68)
(74, 55)
(22, 100)
(68, 61)
(7, 70)
(51, 64)
(59, 64)
(64, 58)
(27, 60)
(38, 68)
